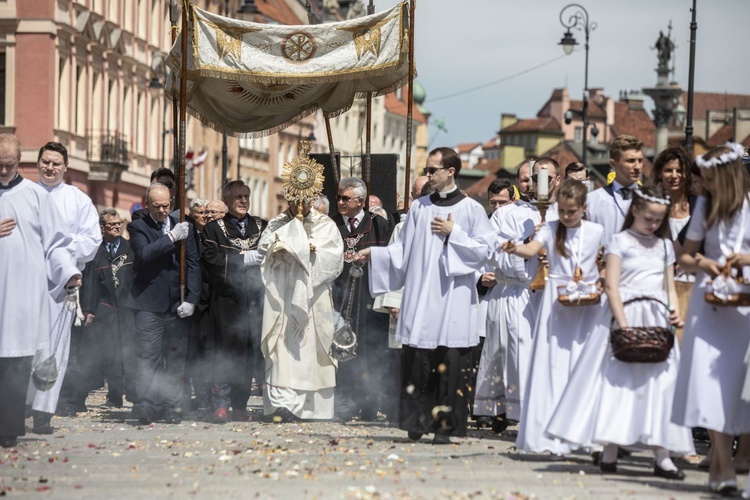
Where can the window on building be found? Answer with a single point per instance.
(578, 136)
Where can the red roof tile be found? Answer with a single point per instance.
(478, 190)
(467, 147)
(635, 122)
(398, 107)
(724, 134)
(491, 144)
(714, 101)
(544, 124)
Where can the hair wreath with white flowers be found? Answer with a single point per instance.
(653, 199)
(737, 151)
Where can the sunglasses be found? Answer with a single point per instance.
(432, 170)
(346, 199)
(113, 224)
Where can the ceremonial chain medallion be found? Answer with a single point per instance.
(117, 263)
(350, 254)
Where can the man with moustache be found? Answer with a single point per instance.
(230, 256)
(82, 222)
(159, 307)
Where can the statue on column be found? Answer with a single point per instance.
(664, 47)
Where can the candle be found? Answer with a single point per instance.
(542, 184)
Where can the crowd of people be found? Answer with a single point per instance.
(513, 318)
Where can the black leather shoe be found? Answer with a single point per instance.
(280, 416)
(173, 417)
(66, 410)
(143, 415)
(8, 441)
(415, 436)
(608, 468)
(113, 403)
(675, 475)
(484, 422)
(42, 423)
(441, 438)
(499, 423)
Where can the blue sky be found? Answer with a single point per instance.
(464, 44)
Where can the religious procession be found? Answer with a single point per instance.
(597, 318)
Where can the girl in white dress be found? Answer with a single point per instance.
(613, 403)
(716, 338)
(560, 332)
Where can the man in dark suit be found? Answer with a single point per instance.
(159, 309)
(236, 291)
(107, 283)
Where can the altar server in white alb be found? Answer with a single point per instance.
(81, 221)
(35, 262)
(445, 241)
(614, 403)
(560, 331)
(304, 253)
(608, 205)
(716, 340)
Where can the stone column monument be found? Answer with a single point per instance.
(665, 94)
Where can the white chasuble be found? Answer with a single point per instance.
(302, 259)
(36, 261)
(440, 304)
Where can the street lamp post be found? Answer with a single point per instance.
(579, 19)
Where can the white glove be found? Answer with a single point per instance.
(253, 258)
(180, 231)
(186, 309)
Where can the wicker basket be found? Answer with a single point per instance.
(641, 344)
(740, 299)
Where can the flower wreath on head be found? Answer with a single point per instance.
(736, 153)
(653, 199)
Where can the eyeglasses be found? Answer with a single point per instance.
(432, 170)
(347, 199)
(535, 176)
(113, 225)
(168, 184)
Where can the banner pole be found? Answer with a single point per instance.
(173, 18)
(409, 106)
(183, 120)
(368, 132)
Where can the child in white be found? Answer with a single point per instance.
(614, 403)
(560, 331)
(710, 379)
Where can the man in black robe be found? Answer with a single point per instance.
(361, 383)
(106, 285)
(236, 303)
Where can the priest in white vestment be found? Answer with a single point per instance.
(302, 257)
(81, 222)
(35, 261)
(445, 241)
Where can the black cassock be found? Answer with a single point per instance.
(369, 382)
(236, 305)
(106, 286)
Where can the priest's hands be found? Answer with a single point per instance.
(488, 280)
(362, 256)
(180, 231)
(442, 226)
(186, 309)
(6, 227)
(73, 283)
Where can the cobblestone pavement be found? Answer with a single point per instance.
(106, 454)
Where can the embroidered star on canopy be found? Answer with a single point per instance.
(229, 39)
(367, 37)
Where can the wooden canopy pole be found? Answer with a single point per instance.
(335, 167)
(368, 131)
(173, 17)
(183, 120)
(409, 106)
